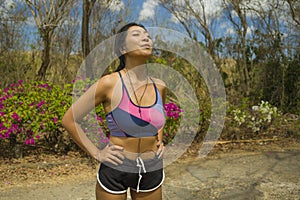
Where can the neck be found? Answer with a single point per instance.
(132, 62)
(136, 68)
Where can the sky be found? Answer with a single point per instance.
(151, 13)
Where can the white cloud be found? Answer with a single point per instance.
(250, 31)
(116, 5)
(212, 8)
(230, 31)
(30, 21)
(6, 5)
(148, 10)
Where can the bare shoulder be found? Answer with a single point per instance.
(159, 83)
(161, 86)
(108, 81)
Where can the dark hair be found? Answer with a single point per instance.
(120, 41)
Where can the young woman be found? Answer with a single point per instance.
(133, 102)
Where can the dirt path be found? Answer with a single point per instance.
(268, 174)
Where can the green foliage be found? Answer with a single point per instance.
(173, 114)
(32, 111)
(248, 122)
(31, 114)
(292, 87)
(195, 80)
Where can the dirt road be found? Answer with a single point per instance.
(261, 175)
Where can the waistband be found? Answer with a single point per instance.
(138, 165)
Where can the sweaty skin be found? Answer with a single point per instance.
(146, 146)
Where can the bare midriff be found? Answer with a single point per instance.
(145, 147)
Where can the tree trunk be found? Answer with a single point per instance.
(45, 59)
(85, 28)
(87, 10)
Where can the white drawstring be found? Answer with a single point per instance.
(140, 165)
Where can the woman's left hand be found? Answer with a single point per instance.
(161, 149)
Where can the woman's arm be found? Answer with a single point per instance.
(94, 96)
(162, 90)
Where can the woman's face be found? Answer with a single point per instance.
(138, 42)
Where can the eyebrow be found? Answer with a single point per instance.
(138, 31)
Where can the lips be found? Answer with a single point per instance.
(148, 46)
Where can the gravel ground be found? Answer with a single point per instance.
(271, 173)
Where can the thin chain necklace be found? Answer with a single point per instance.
(135, 96)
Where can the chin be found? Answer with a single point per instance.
(141, 54)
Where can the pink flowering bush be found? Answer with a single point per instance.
(94, 124)
(32, 111)
(173, 114)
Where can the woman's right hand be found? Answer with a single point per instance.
(112, 154)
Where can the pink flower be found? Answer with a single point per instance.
(106, 140)
(40, 104)
(172, 110)
(37, 136)
(44, 85)
(30, 141)
(16, 117)
(99, 118)
(14, 127)
(176, 115)
(27, 141)
(55, 120)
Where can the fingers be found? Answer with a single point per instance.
(114, 160)
(161, 149)
(112, 154)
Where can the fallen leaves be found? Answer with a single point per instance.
(50, 169)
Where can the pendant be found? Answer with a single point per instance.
(140, 112)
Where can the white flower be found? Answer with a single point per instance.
(255, 108)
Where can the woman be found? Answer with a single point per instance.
(133, 103)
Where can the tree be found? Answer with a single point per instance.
(236, 13)
(294, 6)
(195, 18)
(12, 42)
(67, 47)
(271, 20)
(48, 15)
(86, 13)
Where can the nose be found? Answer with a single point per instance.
(146, 38)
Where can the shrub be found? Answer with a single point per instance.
(31, 113)
(173, 113)
(253, 120)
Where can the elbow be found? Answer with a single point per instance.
(65, 121)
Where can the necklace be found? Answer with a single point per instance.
(135, 96)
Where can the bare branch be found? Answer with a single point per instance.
(293, 11)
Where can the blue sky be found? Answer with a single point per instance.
(151, 13)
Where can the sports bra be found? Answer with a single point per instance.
(126, 121)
